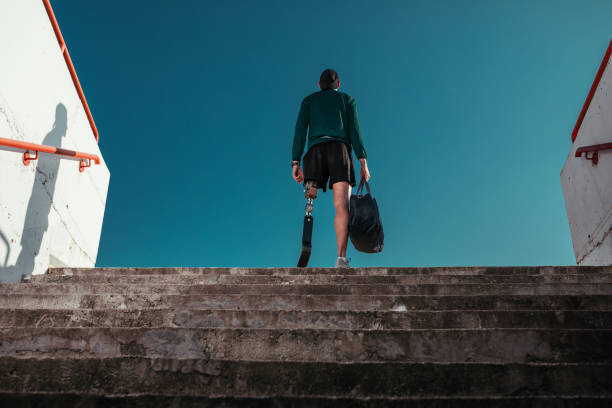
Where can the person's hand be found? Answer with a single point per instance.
(297, 173)
(365, 173)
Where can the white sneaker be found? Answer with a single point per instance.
(342, 262)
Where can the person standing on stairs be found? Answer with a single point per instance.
(330, 117)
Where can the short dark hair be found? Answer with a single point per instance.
(329, 79)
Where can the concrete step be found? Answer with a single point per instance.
(458, 270)
(225, 279)
(307, 302)
(54, 400)
(460, 336)
(260, 379)
(375, 289)
(419, 346)
(263, 319)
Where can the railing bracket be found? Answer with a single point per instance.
(27, 158)
(594, 157)
(83, 166)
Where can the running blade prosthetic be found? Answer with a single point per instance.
(306, 233)
(306, 242)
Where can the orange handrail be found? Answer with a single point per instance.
(594, 150)
(85, 159)
(75, 78)
(591, 94)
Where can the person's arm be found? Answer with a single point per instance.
(365, 172)
(355, 131)
(299, 140)
(356, 138)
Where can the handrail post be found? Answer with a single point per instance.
(83, 166)
(27, 158)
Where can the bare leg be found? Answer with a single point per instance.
(342, 192)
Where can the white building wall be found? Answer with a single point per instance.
(587, 189)
(50, 213)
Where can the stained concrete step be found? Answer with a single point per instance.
(307, 302)
(419, 346)
(225, 279)
(403, 336)
(568, 319)
(54, 400)
(458, 270)
(252, 379)
(339, 289)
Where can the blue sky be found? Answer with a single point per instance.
(466, 107)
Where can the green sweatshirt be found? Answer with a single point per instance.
(330, 116)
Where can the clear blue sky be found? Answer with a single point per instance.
(466, 107)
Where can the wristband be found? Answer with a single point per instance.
(295, 163)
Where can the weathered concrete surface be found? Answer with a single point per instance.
(423, 346)
(456, 289)
(136, 375)
(50, 213)
(406, 279)
(314, 289)
(424, 337)
(294, 319)
(455, 271)
(587, 188)
(146, 401)
(307, 302)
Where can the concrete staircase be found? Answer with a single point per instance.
(371, 337)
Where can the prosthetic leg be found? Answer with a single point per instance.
(310, 193)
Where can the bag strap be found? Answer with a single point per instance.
(361, 184)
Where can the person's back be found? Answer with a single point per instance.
(329, 115)
(330, 119)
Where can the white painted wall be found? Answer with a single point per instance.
(588, 189)
(50, 213)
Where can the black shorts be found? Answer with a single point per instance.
(329, 160)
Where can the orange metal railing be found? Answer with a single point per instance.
(594, 150)
(591, 94)
(75, 78)
(85, 159)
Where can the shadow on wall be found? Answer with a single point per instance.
(8, 249)
(36, 220)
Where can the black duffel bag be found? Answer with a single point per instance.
(365, 226)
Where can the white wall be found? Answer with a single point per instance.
(50, 213)
(588, 189)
